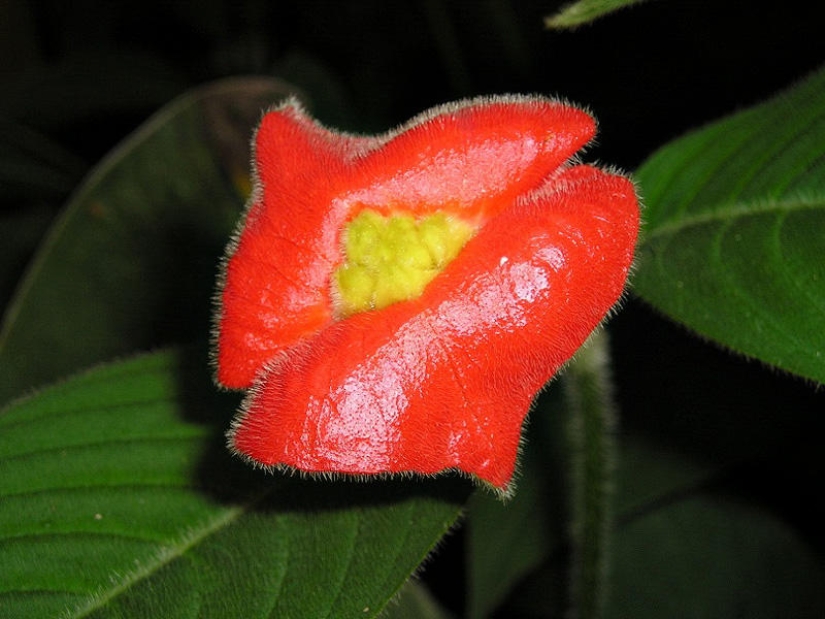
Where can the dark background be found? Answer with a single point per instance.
(88, 71)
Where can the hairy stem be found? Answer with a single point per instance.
(592, 422)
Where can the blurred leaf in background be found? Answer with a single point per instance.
(130, 263)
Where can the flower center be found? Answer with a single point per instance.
(391, 259)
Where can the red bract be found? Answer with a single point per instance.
(443, 380)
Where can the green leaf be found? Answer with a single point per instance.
(733, 246)
(585, 11)
(131, 262)
(708, 556)
(119, 499)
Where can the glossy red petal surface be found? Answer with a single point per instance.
(472, 158)
(445, 381)
(275, 282)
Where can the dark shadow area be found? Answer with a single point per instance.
(701, 399)
(762, 427)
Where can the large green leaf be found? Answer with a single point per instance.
(131, 262)
(119, 499)
(735, 235)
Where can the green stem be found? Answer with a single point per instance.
(589, 392)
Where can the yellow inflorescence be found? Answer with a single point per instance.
(391, 259)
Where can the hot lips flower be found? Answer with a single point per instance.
(394, 303)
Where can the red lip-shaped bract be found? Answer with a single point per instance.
(444, 380)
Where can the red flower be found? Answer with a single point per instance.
(395, 303)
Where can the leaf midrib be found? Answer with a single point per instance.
(728, 213)
(168, 553)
